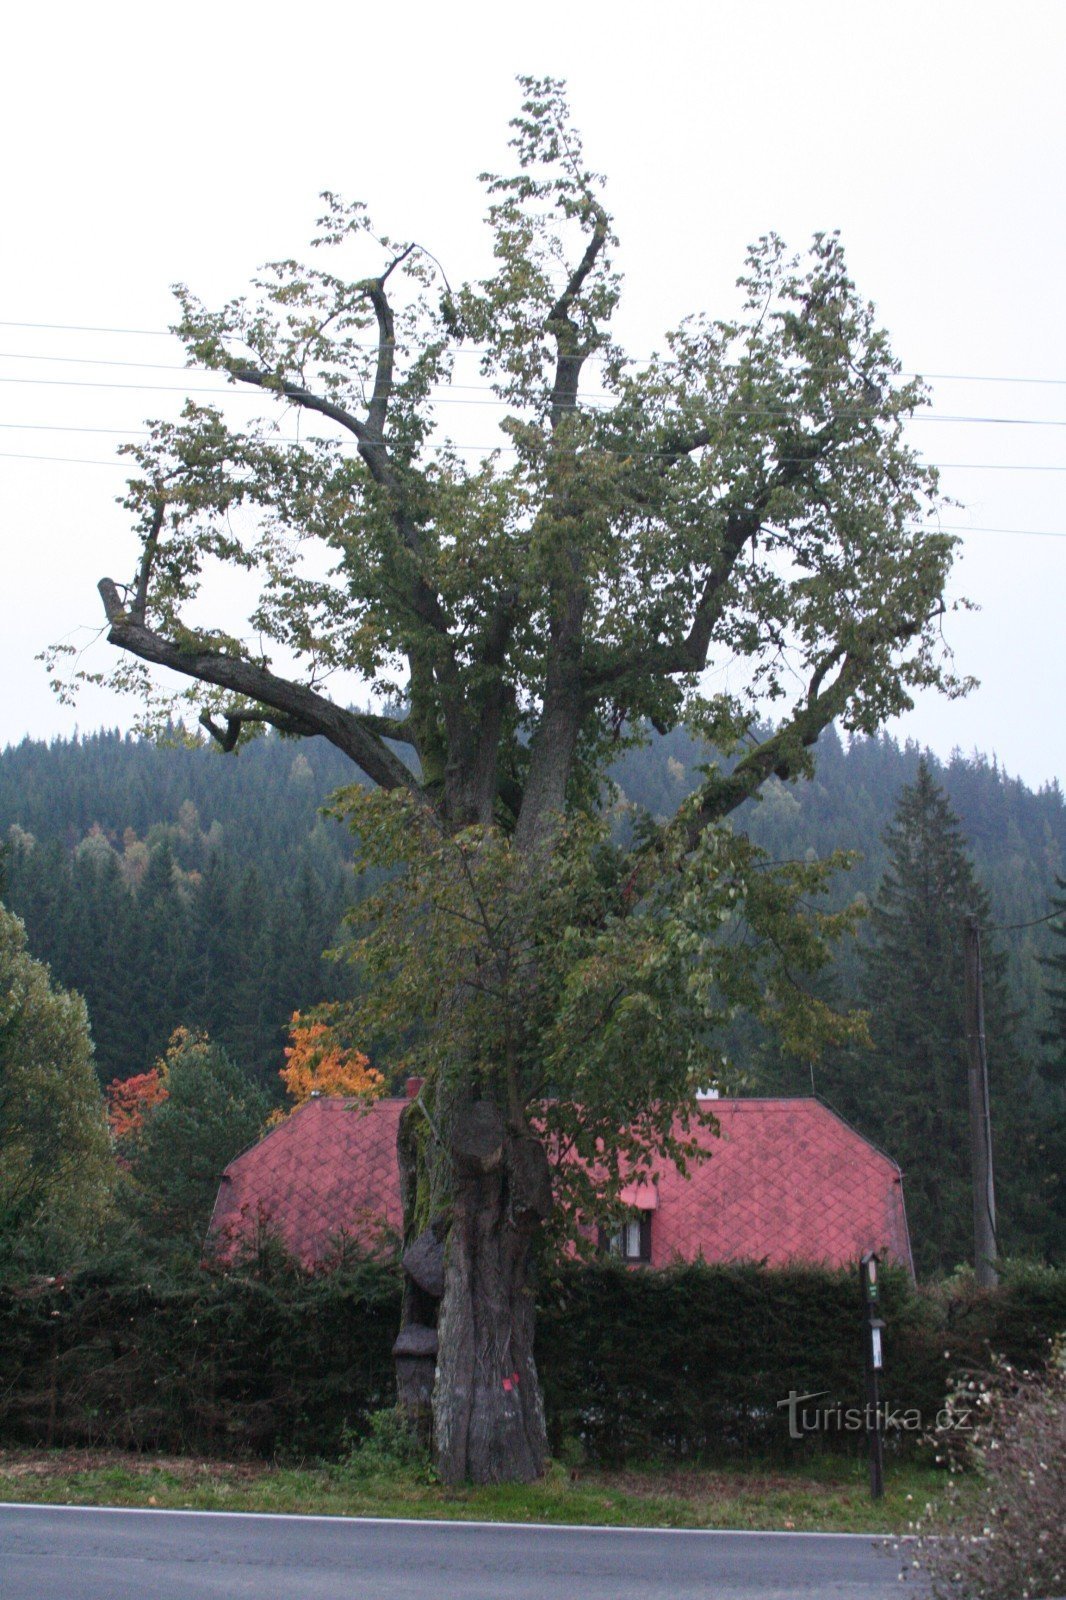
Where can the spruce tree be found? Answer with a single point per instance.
(215, 940)
(914, 987)
(250, 1033)
(111, 960)
(210, 1112)
(1049, 1141)
(163, 934)
(1054, 1035)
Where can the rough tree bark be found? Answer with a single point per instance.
(465, 1346)
(488, 1411)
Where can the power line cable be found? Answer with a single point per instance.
(490, 449)
(440, 397)
(144, 433)
(1013, 927)
(79, 461)
(88, 461)
(83, 327)
(166, 333)
(76, 427)
(255, 393)
(95, 361)
(1029, 533)
(466, 388)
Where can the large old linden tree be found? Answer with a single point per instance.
(516, 616)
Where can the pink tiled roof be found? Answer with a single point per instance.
(328, 1169)
(786, 1181)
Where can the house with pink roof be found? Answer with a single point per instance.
(784, 1182)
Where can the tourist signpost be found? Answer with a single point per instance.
(873, 1347)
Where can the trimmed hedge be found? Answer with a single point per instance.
(683, 1364)
(691, 1362)
(264, 1361)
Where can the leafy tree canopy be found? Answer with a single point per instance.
(130, 1100)
(56, 1170)
(317, 1063)
(748, 492)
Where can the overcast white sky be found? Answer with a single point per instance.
(145, 145)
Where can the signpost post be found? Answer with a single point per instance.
(872, 1329)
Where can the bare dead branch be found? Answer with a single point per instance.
(307, 712)
(228, 737)
(151, 545)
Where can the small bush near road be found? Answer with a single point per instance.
(1007, 1539)
(391, 1444)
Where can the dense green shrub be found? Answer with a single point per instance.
(209, 1113)
(262, 1359)
(691, 1362)
(56, 1172)
(687, 1364)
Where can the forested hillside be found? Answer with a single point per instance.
(171, 884)
(168, 887)
(1016, 838)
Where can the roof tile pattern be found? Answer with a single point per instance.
(329, 1169)
(784, 1181)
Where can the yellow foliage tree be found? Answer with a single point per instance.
(316, 1064)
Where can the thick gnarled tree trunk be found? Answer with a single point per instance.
(487, 1408)
(488, 1415)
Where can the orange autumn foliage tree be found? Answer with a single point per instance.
(316, 1064)
(129, 1100)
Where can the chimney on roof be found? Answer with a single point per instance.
(413, 1086)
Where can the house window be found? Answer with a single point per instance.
(632, 1241)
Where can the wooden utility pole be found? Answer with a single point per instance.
(984, 1196)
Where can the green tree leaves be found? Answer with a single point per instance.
(176, 1158)
(56, 1172)
(747, 492)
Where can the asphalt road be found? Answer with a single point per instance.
(70, 1553)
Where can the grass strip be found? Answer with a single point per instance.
(826, 1497)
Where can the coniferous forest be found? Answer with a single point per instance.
(173, 886)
